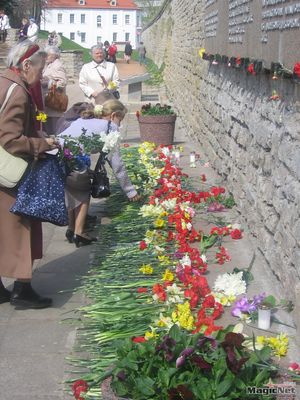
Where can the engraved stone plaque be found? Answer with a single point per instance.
(267, 30)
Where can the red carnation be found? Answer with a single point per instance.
(297, 69)
(143, 245)
(236, 234)
(250, 69)
(138, 339)
(142, 290)
(80, 386)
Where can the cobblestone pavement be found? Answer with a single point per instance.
(35, 343)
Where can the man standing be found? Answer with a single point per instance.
(98, 76)
(142, 53)
(127, 52)
(4, 25)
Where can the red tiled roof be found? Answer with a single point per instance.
(121, 4)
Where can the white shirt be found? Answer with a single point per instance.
(32, 32)
(90, 80)
(4, 22)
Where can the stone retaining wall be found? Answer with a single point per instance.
(72, 59)
(252, 141)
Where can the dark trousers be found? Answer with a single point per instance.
(3, 35)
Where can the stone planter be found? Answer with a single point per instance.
(158, 129)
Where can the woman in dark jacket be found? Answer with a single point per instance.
(127, 52)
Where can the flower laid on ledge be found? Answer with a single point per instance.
(79, 387)
(201, 52)
(275, 96)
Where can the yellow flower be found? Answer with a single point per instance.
(111, 85)
(41, 117)
(168, 275)
(183, 316)
(201, 52)
(151, 334)
(146, 269)
(163, 214)
(164, 260)
(278, 344)
(159, 223)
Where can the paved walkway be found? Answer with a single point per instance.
(34, 343)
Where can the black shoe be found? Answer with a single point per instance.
(25, 297)
(83, 241)
(69, 235)
(4, 294)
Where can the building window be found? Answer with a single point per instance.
(127, 36)
(72, 18)
(82, 35)
(82, 18)
(114, 19)
(127, 19)
(115, 36)
(82, 2)
(98, 21)
(59, 18)
(99, 39)
(72, 35)
(113, 3)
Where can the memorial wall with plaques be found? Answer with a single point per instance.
(267, 30)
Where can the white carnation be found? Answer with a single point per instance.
(230, 284)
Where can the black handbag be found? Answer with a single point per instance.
(100, 182)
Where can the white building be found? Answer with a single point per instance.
(88, 22)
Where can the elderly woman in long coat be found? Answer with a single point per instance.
(54, 73)
(20, 237)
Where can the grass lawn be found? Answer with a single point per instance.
(68, 44)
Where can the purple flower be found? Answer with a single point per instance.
(207, 339)
(68, 154)
(243, 305)
(183, 355)
(167, 346)
(200, 362)
(121, 376)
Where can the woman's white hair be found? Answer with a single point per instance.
(18, 51)
(53, 50)
(96, 47)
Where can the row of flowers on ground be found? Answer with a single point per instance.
(184, 354)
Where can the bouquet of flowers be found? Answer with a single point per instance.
(74, 153)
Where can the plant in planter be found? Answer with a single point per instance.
(157, 123)
(179, 365)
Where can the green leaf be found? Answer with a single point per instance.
(119, 388)
(269, 301)
(261, 377)
(223, 387)
(175, 333)
(145, 386)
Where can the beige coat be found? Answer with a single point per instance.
(56, 73)
(20, 238)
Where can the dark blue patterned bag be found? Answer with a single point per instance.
(41, 193)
